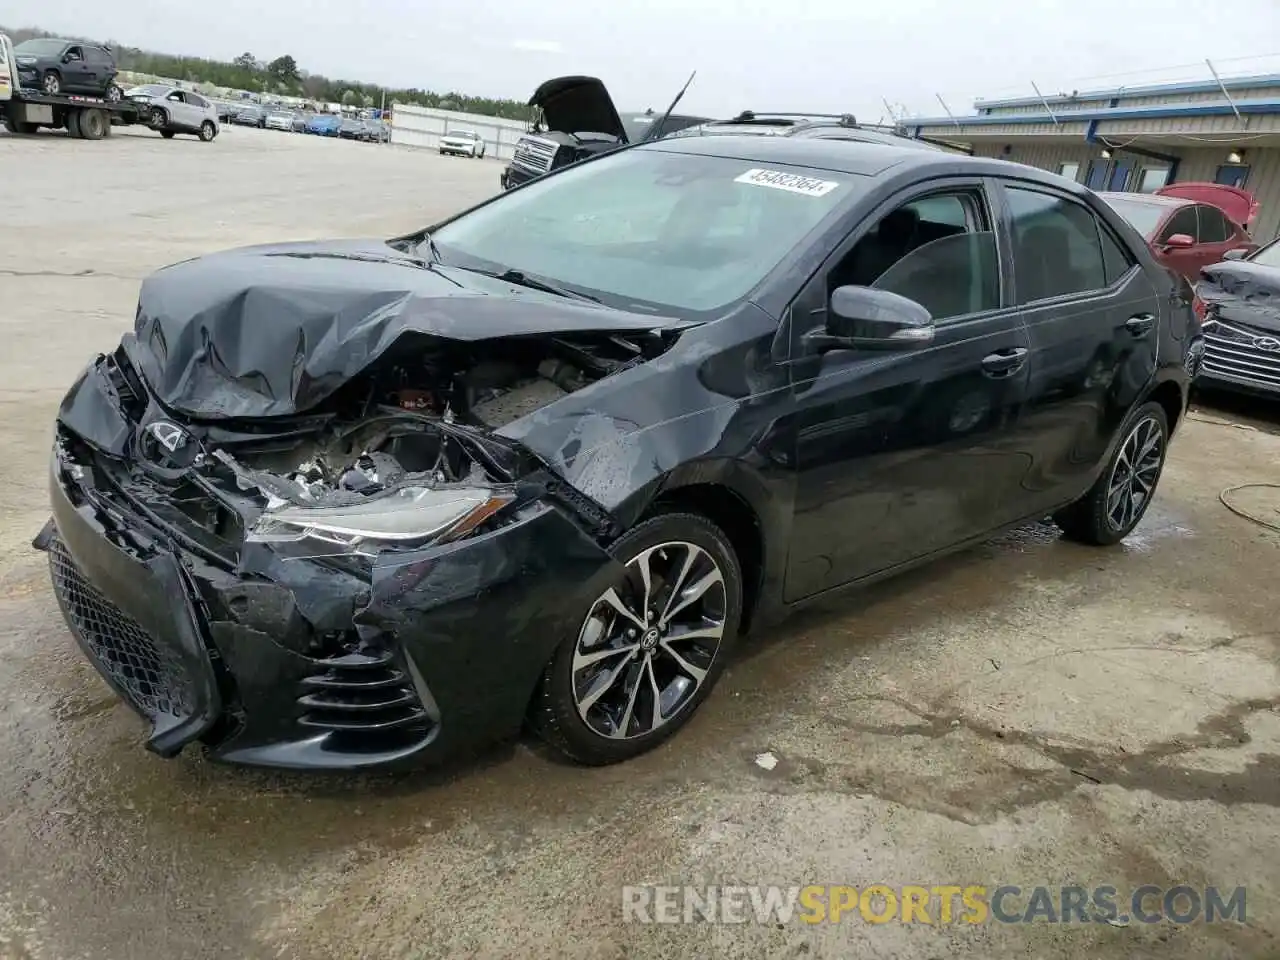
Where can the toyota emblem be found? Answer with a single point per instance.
(1269, 344)
(170, 435)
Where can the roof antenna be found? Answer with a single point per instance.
(663, 122)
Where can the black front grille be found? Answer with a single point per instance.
(362, 693)
(535, 154)
(149, 674)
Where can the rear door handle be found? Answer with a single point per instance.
(1004, 362)
(1140, 324)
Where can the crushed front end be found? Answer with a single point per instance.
(376, 581)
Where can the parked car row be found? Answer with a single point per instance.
(301, 121)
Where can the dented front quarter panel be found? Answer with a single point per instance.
(715, 408)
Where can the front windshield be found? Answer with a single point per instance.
(461, 134)
(39, 48)
(644, 228)
(1268, 256)
(1144, 217)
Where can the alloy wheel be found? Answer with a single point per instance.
(647, 644)
(52, 85)
(1134, 475)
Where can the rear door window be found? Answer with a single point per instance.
(1056, 246)
(1214, 227)
(1115, 258)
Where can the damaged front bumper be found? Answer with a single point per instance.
(311, 663)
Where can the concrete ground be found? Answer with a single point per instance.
(1029, 712)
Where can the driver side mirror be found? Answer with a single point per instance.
(863, 318)
(1179, 241)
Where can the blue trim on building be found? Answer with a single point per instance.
(1208, 108)
(1149, 90)
(1091, 133)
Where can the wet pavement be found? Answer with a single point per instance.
(1028, 712)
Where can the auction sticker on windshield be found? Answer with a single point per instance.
(792, 182)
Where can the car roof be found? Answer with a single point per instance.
(856, 157)
(1147, 198)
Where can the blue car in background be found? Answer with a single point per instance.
(326, 125)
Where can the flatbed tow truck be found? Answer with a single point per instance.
(26, 111)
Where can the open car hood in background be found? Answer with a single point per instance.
(578, 105)
(1239, 205)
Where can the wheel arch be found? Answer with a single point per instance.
(1172, 398)
(737, 500)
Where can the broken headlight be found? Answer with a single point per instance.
(405, 516)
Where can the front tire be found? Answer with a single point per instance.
(167, 134)
(207, 131)
(649, 649)
(114, 93)
(1120, 497)
(159, 120)
(51, 83)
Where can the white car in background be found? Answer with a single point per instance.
(463, 143)
(171, 110)
(279, 120)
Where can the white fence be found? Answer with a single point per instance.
(414, 126)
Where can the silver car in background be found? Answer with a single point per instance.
(280, 120)
(171, 110)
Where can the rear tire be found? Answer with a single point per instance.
(207, 131)
(622, 684)
(94, 124)
(167, 134)
(1119, 499)
(73, 123)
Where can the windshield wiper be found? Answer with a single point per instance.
(521, 279)
(432, 249)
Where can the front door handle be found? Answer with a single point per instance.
(1004, 363)
(1140, 324)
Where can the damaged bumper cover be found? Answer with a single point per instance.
(331, 662)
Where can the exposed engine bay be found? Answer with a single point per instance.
(420, 420)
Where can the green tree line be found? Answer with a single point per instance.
(283, 76)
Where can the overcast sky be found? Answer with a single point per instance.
(820, 55)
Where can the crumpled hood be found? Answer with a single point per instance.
(1243, 292)
(274, 330)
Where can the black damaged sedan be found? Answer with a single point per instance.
(334, 505)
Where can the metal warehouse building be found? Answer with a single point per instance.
(1138, 138)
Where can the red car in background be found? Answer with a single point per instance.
(1190, 225)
